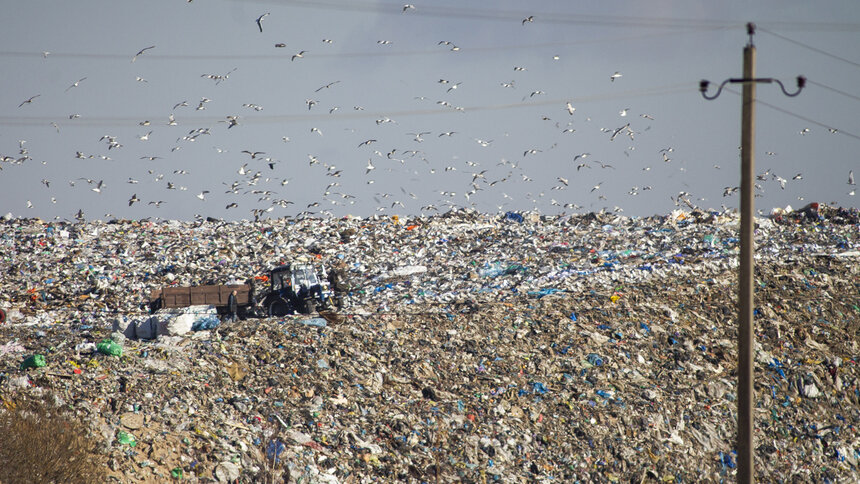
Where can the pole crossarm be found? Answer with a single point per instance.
(704, 84)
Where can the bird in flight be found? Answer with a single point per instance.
(530, 18)
(141, 51)
(254, 153)
(327, 86)
(28, 101)
(298, 55)
(133, 199)
(260, 20)
(851, 177)
(76, 83)
(418, 137)
(614, 76)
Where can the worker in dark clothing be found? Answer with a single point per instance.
(233, 304)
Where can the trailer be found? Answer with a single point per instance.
(212, 295)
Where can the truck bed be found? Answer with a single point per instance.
(215, 295)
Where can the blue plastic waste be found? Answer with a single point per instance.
(594, 359)
(205, 322)
(514, 217)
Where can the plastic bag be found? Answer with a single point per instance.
(34, 361)
(109, 347)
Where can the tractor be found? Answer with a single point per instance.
(297, 288)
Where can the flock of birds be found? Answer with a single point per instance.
(258, 171)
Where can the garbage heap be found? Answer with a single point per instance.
(472, 348)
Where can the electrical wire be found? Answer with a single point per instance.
(685, 87)
(348, 55)
(799, 116)
(814, 49)
(856, 98)
(458, 13)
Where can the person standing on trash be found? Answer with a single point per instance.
(233, 304)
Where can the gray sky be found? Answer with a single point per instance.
(486, 89)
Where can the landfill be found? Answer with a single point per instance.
(470, 347)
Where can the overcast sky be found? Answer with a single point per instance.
(554, 106)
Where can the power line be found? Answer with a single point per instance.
(684, 87)
(814, 49)
(346, 55)
(857, 98)
(555, 17)
(801, 117)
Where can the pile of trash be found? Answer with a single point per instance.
(471, 347)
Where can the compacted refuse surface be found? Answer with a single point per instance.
(470, 348)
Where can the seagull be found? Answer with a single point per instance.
(28, 101)
(317, 130)
(407, 6)
(530, 18)
(232, 205)
(254, 153)
(614, 76)
(202, 195)
(851, 177)
(133, 199)
(75, 84)
(98, 187)
(418, 137)
(804, 131)
(327, 86)
(369, 166)
(570, 108)
(596, 187)
(298, 55)
(281, 44)
(260, 20)
(141, 51)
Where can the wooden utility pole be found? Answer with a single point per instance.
(746, 335)
(746, 276)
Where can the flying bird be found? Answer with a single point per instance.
(298, 55)
(133, 200)
(260, 20)
(327, 86)
(407, 6)
(141, 51)
(28, 101)
(851, 177)
(614, 76)
(75, 84)
(254, 153)
(529, 19)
